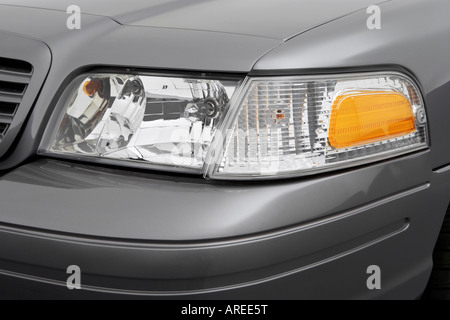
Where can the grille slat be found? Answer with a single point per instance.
(12, 88)
(17, 66)
(10, 76)
(10, 98)
(6, 119)
(15, 75)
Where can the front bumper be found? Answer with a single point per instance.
(152, 236)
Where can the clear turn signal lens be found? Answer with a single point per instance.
(291, 126)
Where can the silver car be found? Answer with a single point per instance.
(239, 149)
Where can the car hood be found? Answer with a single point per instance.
(281, 19)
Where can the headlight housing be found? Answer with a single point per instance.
(152, 121)
(270, 127)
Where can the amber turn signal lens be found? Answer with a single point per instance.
(362, 117)
(91, 87)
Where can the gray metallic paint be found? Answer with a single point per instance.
(189, 210)
(259, 18)
(300, 238)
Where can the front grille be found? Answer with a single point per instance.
(15, 75)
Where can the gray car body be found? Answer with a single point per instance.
(153, 234)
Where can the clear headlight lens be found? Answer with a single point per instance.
(148, 120)
(270, 128)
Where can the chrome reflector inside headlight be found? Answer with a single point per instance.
(271, 127)
(149, 120)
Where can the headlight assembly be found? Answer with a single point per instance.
(269, 127)
(140, 120)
